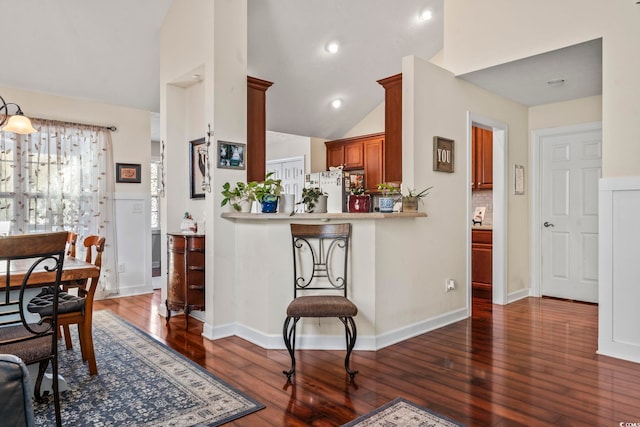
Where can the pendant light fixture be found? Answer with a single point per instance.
(18, 123)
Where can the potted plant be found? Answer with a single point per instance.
(267, 192)
(411, 200)
(388, 199)
(239, 197)
(359, 201)
(314, 199)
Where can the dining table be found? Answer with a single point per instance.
(74, 272)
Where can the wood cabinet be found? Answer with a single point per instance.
(373, 163)
(481, 158)
(364, 153)
(185, 281)
(481, 262)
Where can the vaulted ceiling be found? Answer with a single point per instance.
(107, 51)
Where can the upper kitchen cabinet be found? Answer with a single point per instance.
(364, 153)
(348, 153)
(481, 158)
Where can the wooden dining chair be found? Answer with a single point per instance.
(320, 259)
(71, 243)
(78, 309)
(21, 334)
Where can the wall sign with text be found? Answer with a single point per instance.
(442, 154)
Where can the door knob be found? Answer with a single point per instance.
(547, 224)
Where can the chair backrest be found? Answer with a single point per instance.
(320, 255)
(94, 246)
(71, 243)
(25, 256)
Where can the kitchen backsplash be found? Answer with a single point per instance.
(483, 198)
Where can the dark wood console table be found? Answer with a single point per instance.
(185, 281)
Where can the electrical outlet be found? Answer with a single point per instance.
(120, 268)
(450, 285)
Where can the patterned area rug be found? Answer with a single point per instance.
(140, 382)
(402, 413)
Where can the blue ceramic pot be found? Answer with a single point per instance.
(385, 204)
(269, 206)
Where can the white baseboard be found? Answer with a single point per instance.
(518, 295)
(333, 342)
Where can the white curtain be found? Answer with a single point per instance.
(61, 178)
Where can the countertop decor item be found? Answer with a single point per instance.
(359, 201)
(267, 192)
(314, 200)
(239, 197)
(188, 225)
(413, 198)
(389, 197)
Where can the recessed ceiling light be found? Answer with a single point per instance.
(425, 15)
(556, 82)
(332, 47)
(336, 103)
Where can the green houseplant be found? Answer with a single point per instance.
(411, 200)
(266, 192)
(238, 197)
(314, 199)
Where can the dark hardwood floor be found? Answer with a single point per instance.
(530, 363)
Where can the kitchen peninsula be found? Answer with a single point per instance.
(383, 262)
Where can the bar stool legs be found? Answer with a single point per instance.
(289, 334)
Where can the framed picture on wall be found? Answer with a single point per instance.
(231, 155)
(442, 154)
(128, 172)
(197, 167)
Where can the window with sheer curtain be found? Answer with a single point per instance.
(61, 178)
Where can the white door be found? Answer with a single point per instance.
(571, 168)
(291, 172)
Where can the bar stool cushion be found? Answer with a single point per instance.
(30, 351)
(321, 306)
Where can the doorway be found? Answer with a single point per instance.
(567, 164)
(499, 202)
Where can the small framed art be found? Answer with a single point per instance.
(231, 155)
(128, 172)
(442, 154)
(197, 167)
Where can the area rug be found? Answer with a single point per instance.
(140, 382)
(402, 413)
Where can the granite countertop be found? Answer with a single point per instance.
(320, 216)
(482, 227)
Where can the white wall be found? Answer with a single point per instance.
(583, 110)
(435, 103)
(131, 144)
(283, 145)
(371, 123)
(318, 155)
(482, 34)
(209, 39)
